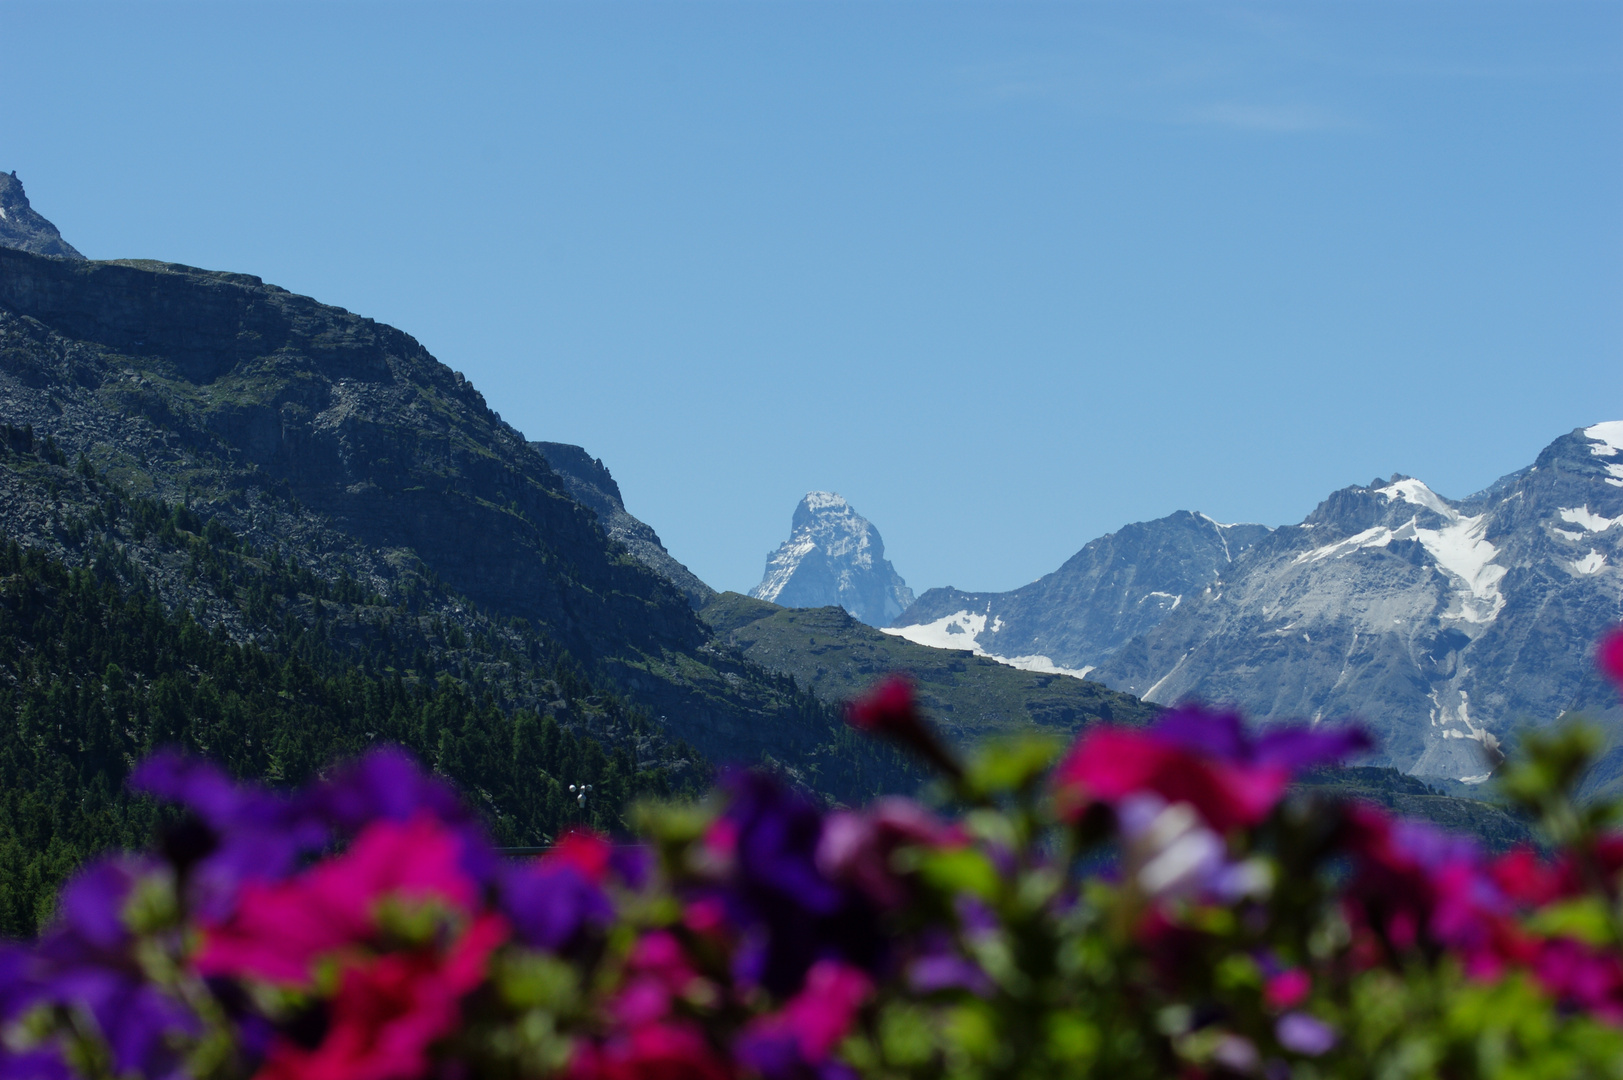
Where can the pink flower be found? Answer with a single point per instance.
(890, 711)
(279, 929)
(857, 846)
(657, 971)
(1578, 975)
(1609, 655)
(665, 1051)
(585, 851)
(390, 1010)
(822, 1013)
(1287, 990)
(1109, 763)
(806, 1030)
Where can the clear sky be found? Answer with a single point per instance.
(1006, 275)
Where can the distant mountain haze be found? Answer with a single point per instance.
(834, 556)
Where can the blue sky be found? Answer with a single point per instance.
(1008, 276)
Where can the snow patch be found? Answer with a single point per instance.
(1176, 598)
(3, 214)
(961, 631)
(1589, 564)
(1416, 492)
(1590, 522)
(1459, 549)
(1567, 535)
(1379, 536)
(1607, 437)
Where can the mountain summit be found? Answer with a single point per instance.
(834, 556)
(23, 228)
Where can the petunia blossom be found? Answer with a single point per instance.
(280, 929)
(389, 1010)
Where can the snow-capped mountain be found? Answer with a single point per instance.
(1117, 587)
(1443, 623)
(834, 556)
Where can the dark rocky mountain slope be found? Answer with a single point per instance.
(591, 484)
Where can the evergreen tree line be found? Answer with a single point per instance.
(94, 677)
(97, 671)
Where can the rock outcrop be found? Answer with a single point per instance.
(23, 228)
(590, 482)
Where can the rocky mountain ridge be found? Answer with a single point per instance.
(1068, 622)
(591, 484)
(834, 556)
(339, 443)
(23, 228)
(1443, 623)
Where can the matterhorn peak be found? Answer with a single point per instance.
(834, 556)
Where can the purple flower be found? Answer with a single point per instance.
(388, 784)
(251, 833)
(85, 961)
(41, 1063)
(937, 971)
(1304, 1034)
(1223, 735)
(792, 913)
(550, 905)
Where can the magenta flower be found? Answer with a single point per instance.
(890, 711)
(1193, 755)
(663, 1051)
(1609, 655)
(1287, 989)
(856, 846)
(280, 929)
(389, 1011)
(797, 1040)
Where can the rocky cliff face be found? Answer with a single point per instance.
(23, 228)
(1117, 587)
(834, 556)
(589, 481)
(1443, 623)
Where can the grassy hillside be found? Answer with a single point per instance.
(969, 697)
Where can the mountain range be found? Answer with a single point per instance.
(1444, 624)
